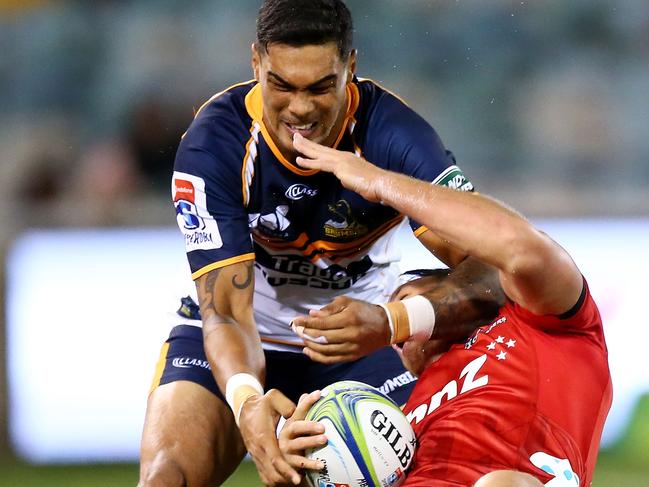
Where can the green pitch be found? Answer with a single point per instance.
(612, 471)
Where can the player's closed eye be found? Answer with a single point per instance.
(320, 90)
(280, 87)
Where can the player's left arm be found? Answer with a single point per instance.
(534, 270)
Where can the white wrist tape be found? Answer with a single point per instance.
(238, 389)
(413, 317)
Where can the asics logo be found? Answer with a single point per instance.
(298, 191)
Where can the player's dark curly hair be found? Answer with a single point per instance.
(305, 22)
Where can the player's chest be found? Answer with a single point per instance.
(284, 204)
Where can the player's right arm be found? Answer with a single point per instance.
(233, 347)
(210, 196)
(231, 339)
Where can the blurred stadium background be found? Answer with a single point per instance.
(544, 103)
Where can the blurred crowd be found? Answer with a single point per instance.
(544, 103)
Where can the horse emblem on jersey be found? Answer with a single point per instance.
(343, 223)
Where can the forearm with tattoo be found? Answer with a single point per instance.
(225, 298)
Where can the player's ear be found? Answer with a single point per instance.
(351, 65)
(256, 60)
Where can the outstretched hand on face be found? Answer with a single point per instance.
(354, 172)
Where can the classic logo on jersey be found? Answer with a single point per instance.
(189, 362)
(453, 178)
(199, 227)
(343, 223)
(298, 191)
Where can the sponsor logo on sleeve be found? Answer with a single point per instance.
(453, 178)
(199, 227)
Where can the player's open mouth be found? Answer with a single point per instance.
(305, 130)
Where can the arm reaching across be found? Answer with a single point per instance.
(534, 271)
(233, 348)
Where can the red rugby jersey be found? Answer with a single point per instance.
(527, 393)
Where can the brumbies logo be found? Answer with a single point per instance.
(343, 223)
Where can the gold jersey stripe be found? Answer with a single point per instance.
(222, 263)
(329, 249)
(160, 367)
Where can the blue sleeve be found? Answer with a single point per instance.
(207, 191)
(404, 142)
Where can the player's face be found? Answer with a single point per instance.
(304, 90)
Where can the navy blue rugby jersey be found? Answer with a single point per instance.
(238, 198)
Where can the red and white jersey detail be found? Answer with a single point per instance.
(527, 393)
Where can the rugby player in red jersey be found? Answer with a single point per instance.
(524, 399)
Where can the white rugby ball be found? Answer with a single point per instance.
(369, 440)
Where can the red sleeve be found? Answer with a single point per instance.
(583, 318)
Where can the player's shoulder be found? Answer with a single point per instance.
(227, 103)
(221, 125)
(374, 96)
(582, 318)
(382, 112)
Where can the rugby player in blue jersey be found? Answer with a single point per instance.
(268, 241)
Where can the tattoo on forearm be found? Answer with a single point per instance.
(247, 281)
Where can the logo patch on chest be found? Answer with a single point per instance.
(343, 224)
(298, 191)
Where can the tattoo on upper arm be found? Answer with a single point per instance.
(206, 293)
(212, 301)
(248, 279)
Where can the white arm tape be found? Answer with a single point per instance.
(421, 316)
(233, 384)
